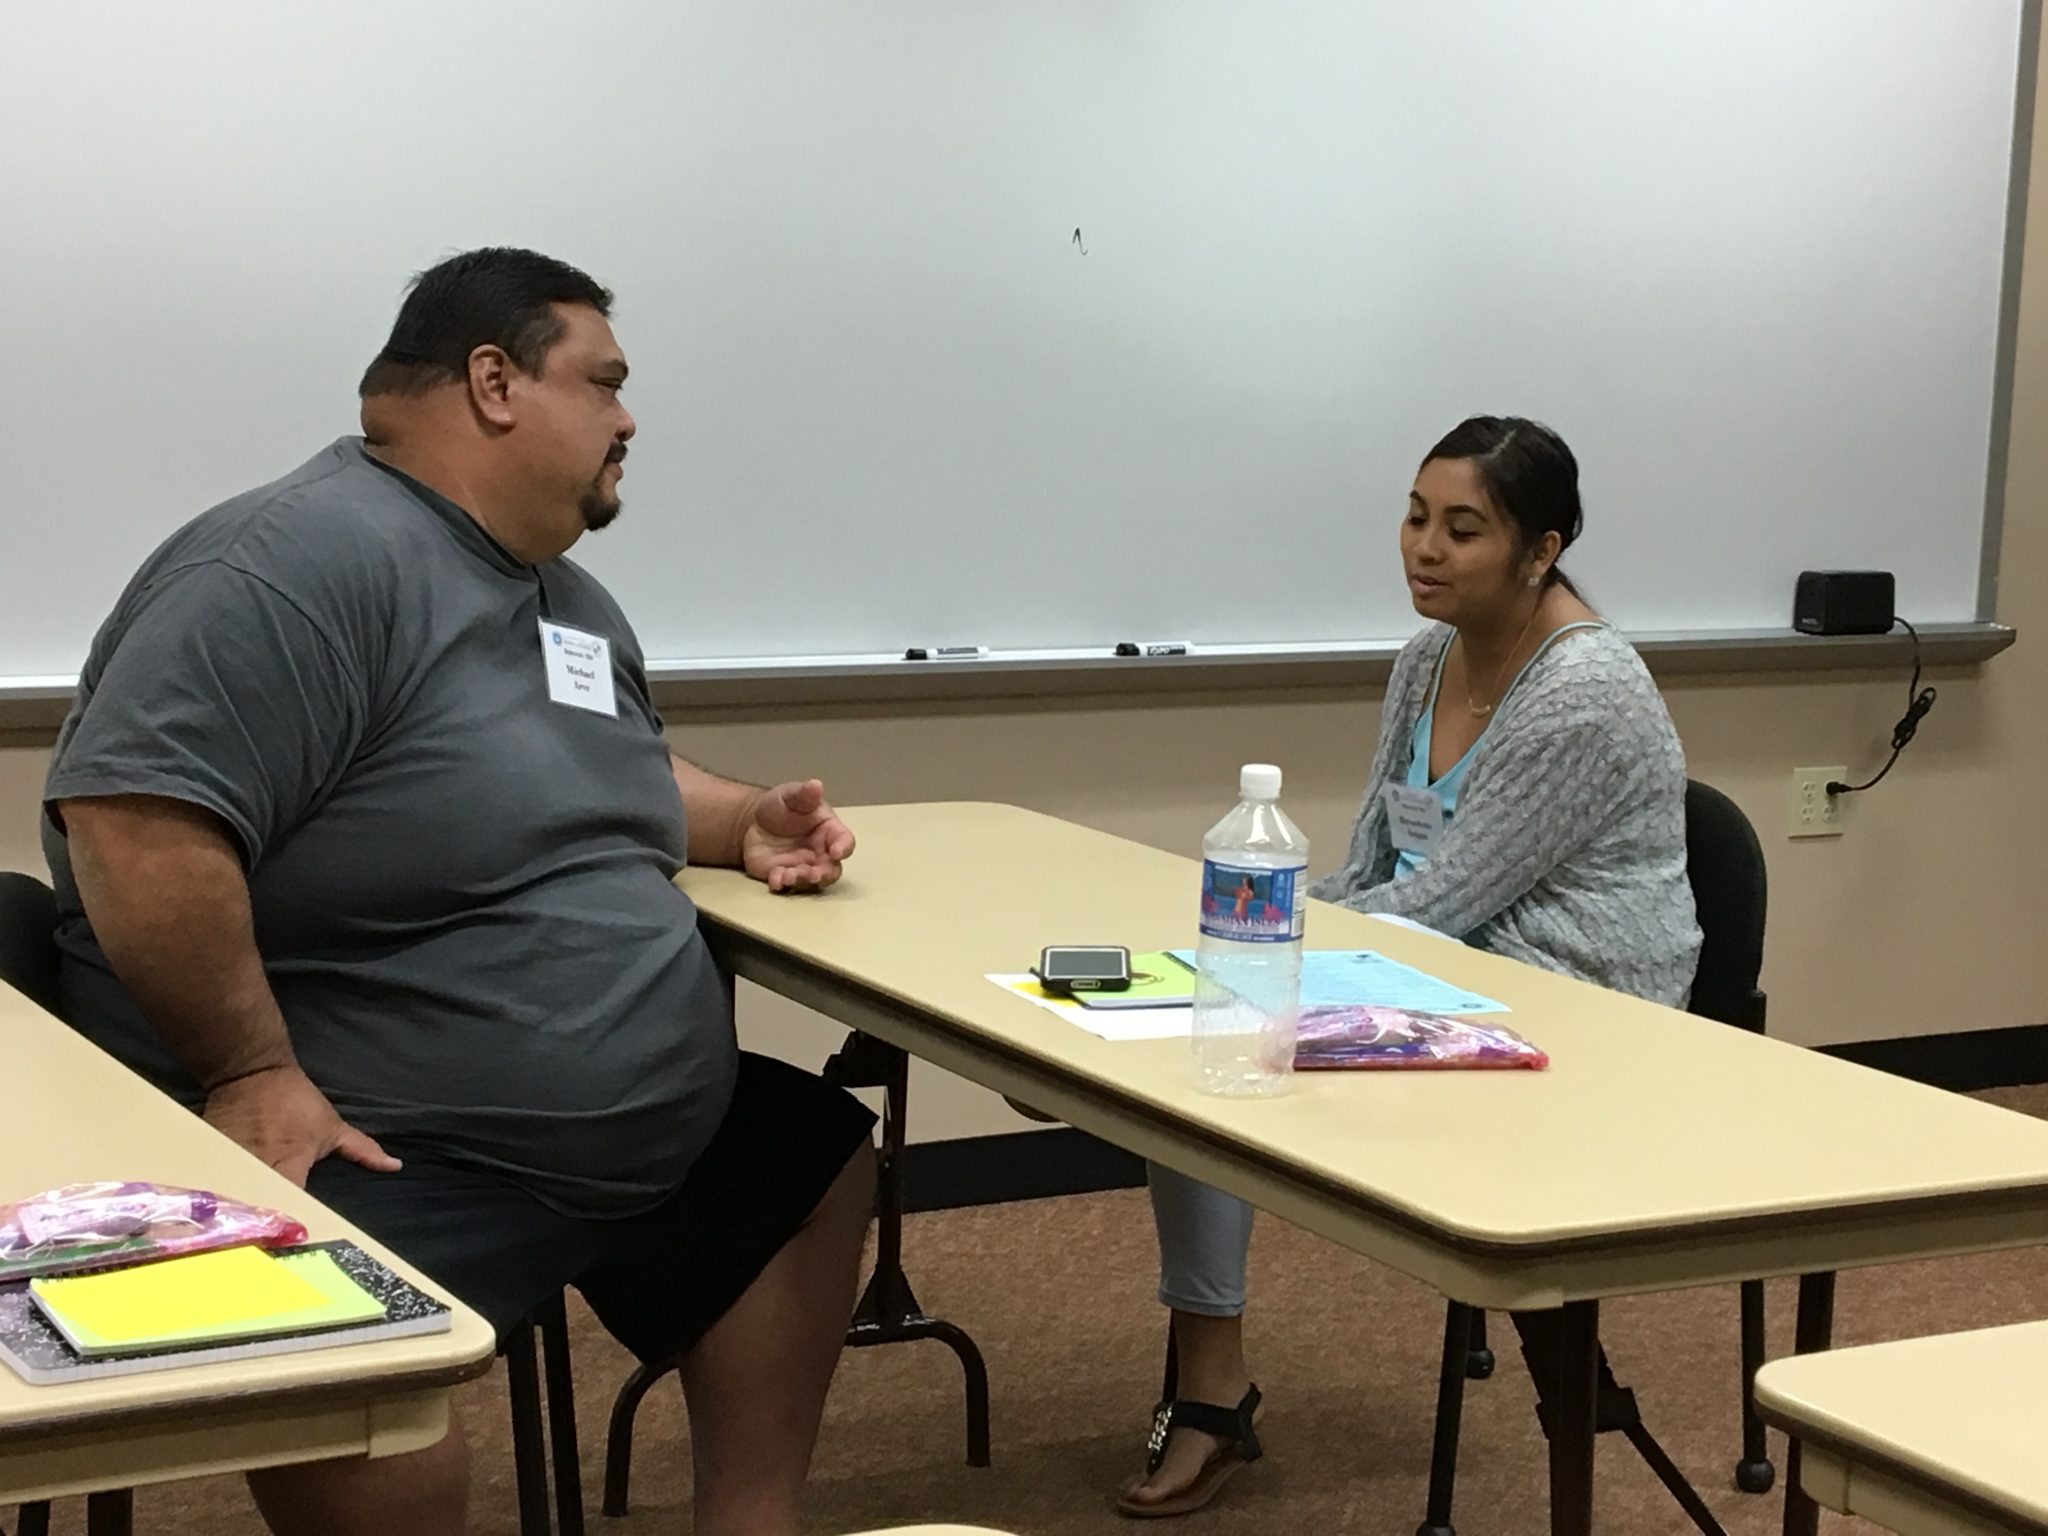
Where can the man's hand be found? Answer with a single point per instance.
(281, 1117)
(793, 840)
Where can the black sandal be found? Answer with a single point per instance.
(1233, 1426)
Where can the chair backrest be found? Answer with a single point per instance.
(1730, 888)
(28, 937)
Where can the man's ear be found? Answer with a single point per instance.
(490, 385)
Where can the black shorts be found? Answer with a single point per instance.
(657, 1281)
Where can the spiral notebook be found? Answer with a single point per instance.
(354, 1300)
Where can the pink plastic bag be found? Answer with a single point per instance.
(1333, 1039)
(89, 1226)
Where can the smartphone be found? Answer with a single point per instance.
(1069, 968)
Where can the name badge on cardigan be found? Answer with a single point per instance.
(1415, 818)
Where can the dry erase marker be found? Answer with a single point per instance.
(945, 653)
(1152, 648)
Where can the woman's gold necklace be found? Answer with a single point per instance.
(1479, 710)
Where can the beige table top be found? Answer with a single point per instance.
(1929, 1437)
(72, 1113)
(1658, 1150)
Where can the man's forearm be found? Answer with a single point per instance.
(717, 811)
(164, 891)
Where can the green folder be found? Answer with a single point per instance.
(1157, 981)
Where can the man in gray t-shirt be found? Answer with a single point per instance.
(365, 832)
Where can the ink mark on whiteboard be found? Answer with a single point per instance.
(1078, 243)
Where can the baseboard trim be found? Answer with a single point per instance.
(1018, 1165)
(1965, 1061)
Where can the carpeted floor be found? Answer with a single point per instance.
(1057, 1292)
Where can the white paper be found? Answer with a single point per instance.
(1107, 1023)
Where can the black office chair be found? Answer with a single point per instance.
(28, 938)
(1724, 864)
(29, 963)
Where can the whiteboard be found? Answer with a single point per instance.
(1043, 323)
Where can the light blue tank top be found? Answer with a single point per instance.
(1446, 788)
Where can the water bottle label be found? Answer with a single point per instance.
(1251, 906)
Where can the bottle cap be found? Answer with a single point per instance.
(1259, 781)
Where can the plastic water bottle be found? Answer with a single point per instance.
(1248, 961)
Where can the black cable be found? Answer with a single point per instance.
(1918, 702)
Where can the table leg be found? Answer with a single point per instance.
(618, 1440)
(888, 1312)
(110, 1514)
(1479, 1362)
(1815, 1327)
(1754, 1473)
(1571, 1429)
(1450, 1410)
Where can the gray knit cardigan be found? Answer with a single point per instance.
(1567, 849)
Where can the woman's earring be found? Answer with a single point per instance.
(1536, 581)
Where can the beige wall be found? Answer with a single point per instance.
(1927, 916)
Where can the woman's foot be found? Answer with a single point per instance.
(1207, 1435)
(1196, 1447)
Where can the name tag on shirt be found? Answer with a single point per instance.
(579, 667)
(1415, 818)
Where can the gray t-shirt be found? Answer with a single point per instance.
(462, 890)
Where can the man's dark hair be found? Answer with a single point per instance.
(500, 296)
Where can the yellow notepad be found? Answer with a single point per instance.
(232, 1293)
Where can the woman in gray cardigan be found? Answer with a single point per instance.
(1527, 795)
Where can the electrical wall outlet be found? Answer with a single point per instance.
(1815, 812)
